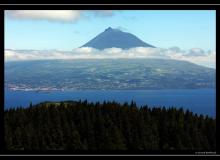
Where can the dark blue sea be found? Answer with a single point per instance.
(200, 101)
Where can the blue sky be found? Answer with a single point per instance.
(185, 29)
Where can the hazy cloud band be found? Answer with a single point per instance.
(195, 55)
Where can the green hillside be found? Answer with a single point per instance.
(81, 125)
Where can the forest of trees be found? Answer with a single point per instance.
(81, 125)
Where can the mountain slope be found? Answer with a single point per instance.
(107, 74)
(115, 38)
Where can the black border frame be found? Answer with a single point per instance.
(109, 2)
(104, 7)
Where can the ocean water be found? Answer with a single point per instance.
(200, 101)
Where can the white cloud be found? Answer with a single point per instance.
(206, 59)
(103, 13)
(196, 52)
(13, 55)
(54, 15)
(50, 15)
(85, 50)
(122, 28)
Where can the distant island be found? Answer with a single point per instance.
(107, 74)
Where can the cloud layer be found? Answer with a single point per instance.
(54, 15)
(201, 57)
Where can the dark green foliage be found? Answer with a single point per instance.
(108, 126)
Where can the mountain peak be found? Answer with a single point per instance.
(108, 29)
(116, 38)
